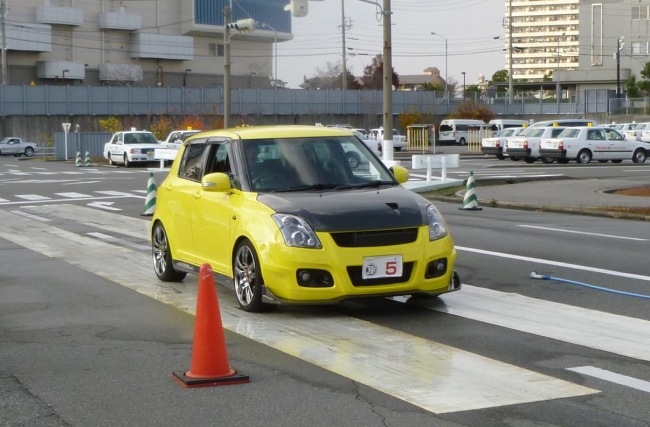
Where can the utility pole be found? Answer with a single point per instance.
(345, 70)
(3, 13)
(388, 85)
(618, 65)
(226, 67)
(510, 88)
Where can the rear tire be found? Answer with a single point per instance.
(563, 161)
(584, 157)
(29, 152)
(639, 155)
(353, 159)
(603, 161)
(547, 160)
(162, 257)
(462, 141)
(529, 160)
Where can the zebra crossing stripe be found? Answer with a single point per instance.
(433, 376)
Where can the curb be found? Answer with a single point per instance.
(578, 210)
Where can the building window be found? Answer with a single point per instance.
(639, 12)
(636, 48)
(215, 49)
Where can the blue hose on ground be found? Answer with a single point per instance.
(535, 275)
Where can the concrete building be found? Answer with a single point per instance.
(140, 43)
(578, 39)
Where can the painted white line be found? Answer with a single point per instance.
(32, 197)
(613, 377)
(73, 195)
(626, 336)
(556, 263)
(72, 173)
(104, 205)
(120, 241)
(3, 200)
(39, 169)
(81, 182)
(30, 216)
(46, 200)
(433, 376)
(140, 191)
(582, 232)
(113, 193)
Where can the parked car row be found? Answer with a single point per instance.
(564, 142)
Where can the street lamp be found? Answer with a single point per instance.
(463, 73)
(275, 54)
(446, 68)
(558, 89)
(185, 77)
(241, 26)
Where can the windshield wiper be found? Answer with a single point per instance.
(307, 188)
(371, 184)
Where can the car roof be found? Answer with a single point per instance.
(283, 131)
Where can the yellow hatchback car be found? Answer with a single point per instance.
(279, 213)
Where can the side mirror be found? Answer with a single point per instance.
(216, 182)
(400, 173)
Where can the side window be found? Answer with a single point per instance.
(556, 132)
(192, 163)
(119, 137)
(595, 135)
(219, 160)
(613, 135)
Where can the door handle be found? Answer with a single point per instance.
(196, 195)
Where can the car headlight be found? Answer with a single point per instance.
(437, 227)
(136, 151)
(296, 231)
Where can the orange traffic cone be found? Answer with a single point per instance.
(210, 366)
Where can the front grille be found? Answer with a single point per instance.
(366, 239)
(354, 272)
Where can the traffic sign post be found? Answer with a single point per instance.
(66, 129)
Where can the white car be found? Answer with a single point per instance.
(635, 134)
(175, 138)
(526, 144)
(352, 154)
(583, 144)
(130, 147)
(399, 141)
(494, 145)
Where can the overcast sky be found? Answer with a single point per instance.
(468, 25)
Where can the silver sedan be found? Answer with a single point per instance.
(17, 147)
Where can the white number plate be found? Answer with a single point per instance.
(150, 154)
(382, 266)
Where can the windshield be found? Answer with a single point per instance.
(140, 138)
(569, 133)
(313, 164)
(4, 141)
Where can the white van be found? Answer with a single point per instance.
(455, 130)
(497, 125)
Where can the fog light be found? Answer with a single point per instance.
(436, 268)
(312, 278)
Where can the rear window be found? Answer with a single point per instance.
(536, 132)
(445, 128)
(569, 133)
(507, 132)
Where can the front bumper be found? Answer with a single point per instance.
(281, 263)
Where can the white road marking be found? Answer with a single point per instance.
(32, 197)
(39, 169)
(140, 191)
(3, 200)
(613, 377)
(72, 173)
(104, 205)
(582, 232)
(81, 182)
(120, 241)
(72, 195)
(48, 200)
(113, 193)
(30, 216)
(556, 263)
(615, 334)
(433, 376)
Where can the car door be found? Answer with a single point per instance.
(212, 214)
(116, 146)
(619, 147)
(180, 193)
(598, 144)
(12, 147)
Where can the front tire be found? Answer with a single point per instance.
(639, 156)
(127, 164)
(584, 157)
(547, 160)
(110, 160)
(162, 257)
(462, 141)
(247, 278)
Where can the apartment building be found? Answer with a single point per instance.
(577, 41)
(139, 43)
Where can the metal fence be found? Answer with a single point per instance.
(629, 106)
(82, 142)
(24, 100)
